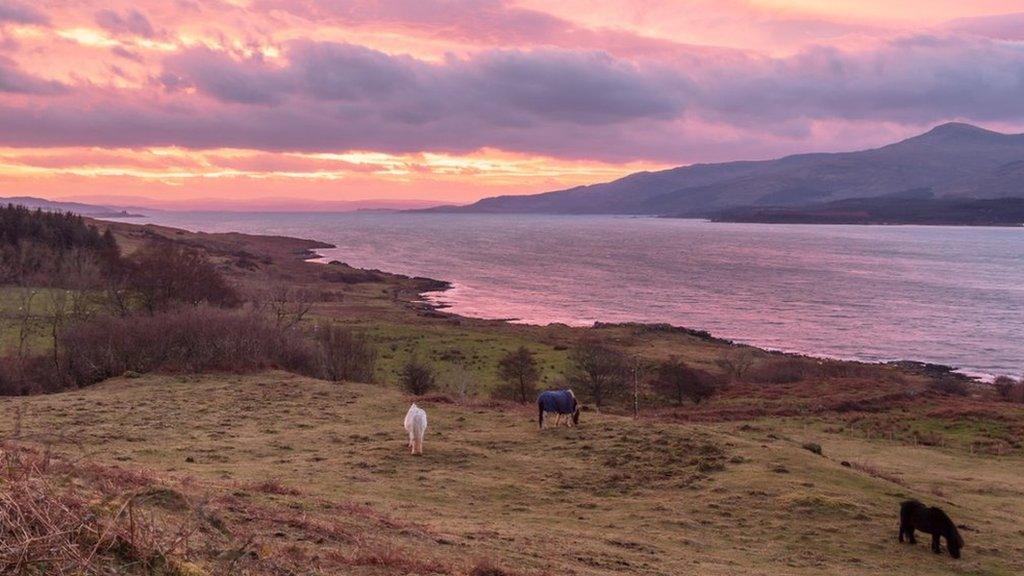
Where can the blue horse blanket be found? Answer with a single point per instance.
(560, 401)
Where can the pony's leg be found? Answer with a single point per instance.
(419, 446)
(902, 530)
(936, 547)
(910, 535)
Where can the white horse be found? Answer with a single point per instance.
(416, 426)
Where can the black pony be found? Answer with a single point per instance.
(917, 516)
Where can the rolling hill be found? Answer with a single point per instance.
(953, 160)
(74, 207)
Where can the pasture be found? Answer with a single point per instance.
(316, 476)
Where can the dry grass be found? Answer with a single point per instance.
(51, 525)
(286, 473)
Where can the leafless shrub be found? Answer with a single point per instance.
(22, 376)
(162, 275)
(185, 340)
(344, 354)
(1009, 389)
(460, 382)
(417, 377)
(949, 386)
(780, 371)
(678, 382)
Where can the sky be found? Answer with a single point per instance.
(190, 103)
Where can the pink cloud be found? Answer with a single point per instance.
(617, 84)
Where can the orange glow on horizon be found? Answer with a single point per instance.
(72, 173)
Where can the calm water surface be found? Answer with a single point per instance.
(938, 294)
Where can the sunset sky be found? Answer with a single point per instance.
(188, 101)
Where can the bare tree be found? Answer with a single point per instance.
(286, 305)
(518, 369)
(26, 296)
(598, 371)
(738, 363)
(637, 367)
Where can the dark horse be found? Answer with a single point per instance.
(917, 516)
(559, 402)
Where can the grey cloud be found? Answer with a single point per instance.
(132, 22)
(326, 96)
(21, 13)
(218, 75)
(913, 79)
(505, 86)
(14, 80)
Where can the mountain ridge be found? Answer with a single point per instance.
(954, 159)
(80, 208)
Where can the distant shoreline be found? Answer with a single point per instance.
(434, 306)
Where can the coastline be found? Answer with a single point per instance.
(441, 298)
(429, 302)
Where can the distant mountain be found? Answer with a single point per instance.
(951, 161)
(261, 204)
(897, 209)
(76, 207)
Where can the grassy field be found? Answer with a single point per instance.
(25, 310)
(273, 473)
(317, 476)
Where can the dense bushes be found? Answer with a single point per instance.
(161, 275)
(950, 386)
(678, 382)
(344, 355)
(21, 376)
(183, 340)
(187, 340)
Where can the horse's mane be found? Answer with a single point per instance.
(950, 526)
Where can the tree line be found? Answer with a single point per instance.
(598, 373)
